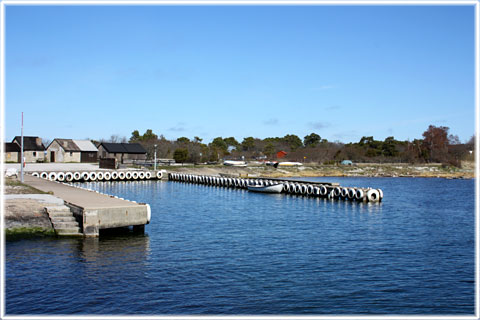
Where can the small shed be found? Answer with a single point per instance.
(12, 152)
(88, 151)
(63, 150)
(33, 148)
(123, 152)
(281, 154)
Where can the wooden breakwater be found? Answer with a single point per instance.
(327, 190)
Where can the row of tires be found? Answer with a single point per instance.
(297, 188)
(98, 175)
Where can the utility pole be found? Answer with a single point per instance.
(155, 158)
(21, 154)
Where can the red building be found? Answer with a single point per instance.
(281, 154)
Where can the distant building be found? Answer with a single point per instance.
(63, 150)
(33, 148)
(281, 154)
(12, 152)
(88, 151)
(69, 150)
(122, 152)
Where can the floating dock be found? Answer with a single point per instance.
(295, 187)
(92, 210)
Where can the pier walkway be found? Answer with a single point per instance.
(95, 211)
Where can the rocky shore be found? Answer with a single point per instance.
(359, 170)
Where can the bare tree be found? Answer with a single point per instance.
(46, 141)
(115, 138)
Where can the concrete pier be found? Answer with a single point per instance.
(92, 210)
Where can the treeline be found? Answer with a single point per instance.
(436, 145)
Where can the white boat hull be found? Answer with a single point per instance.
(276, 188)
(234, 163)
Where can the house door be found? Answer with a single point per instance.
(52, 156)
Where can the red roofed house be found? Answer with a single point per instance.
(281, 154)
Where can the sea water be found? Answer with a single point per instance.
(215, 250)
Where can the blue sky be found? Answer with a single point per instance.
(342, 72)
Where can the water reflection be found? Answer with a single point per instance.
(104, 251)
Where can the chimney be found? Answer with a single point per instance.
(38, 141)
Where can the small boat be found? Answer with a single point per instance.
(234, 163)
(276, 188)
(289, 164)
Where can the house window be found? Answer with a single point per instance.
(34, 153)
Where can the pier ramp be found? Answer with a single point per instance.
(95, 211)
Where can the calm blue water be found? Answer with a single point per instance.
(212, 250)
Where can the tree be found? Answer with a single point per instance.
(471, 143)
(46, 141)
(248, 143)
(149, 135)
(435, 141)
(220, 144)
(311, 140)
(365, 141)
(293, 141)
(231, 142)
(115, 138)
(180, 155)
(389, 147)
(183, 140)
(135, 136)
(453, 139)
(269, 150)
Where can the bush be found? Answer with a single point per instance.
(180, 155)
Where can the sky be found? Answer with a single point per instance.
(342, 72)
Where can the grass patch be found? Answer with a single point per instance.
(27, 233)
(25, 189)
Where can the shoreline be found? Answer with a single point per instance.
(25, 217)
(359, 170)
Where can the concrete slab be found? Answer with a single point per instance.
(93, 210)
(79, 197)
(43, 198)
(56, 166)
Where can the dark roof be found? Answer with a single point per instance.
(134, 148)
(123, 147)
(12, 147)
(67, 144)
(30, 143)
(113, 147)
